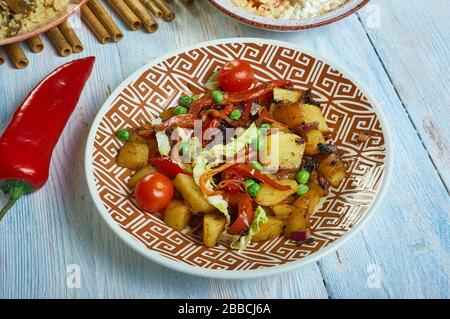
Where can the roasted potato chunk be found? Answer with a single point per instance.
(177, 215)
(284, 149)
(313, 114)
(286, 95)
(287, 113)
(139, 174)
(133, 155)
(298, 220)
(269, 230)
(332, 169)
(308, 201)
(192, 194)
(282, 211)
(313, 185)
(213, 226)
(269, 196)
(314, 138)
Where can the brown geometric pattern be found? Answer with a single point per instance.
(346, 110)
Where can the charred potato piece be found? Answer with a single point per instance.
(308, 201)
(139, 174)
(333, 169)
(213, 226)
(133, 155)
(269, 196)
(313, 114)
(177, 215)
(287, 113)
(192, 194)
(270, 230)
(313, 185)
(314, 138)
(286, 95)
(286, 149)
(282, 211)
(297, 221)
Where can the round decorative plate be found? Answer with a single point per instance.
(287, 25)
(347, 109)
(71, 9)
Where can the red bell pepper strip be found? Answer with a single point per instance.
(249, 171)
(183, 120)
(214, 121)
(256, 92)
(251, 94)
(243, 202)
(27, 144)
(166, 166)
(230, 174)
(200, 104)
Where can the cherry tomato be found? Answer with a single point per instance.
(154, 192)
(236, 76)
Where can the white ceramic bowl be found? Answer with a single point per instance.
(287, 25)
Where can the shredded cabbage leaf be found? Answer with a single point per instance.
(163, 143)
(240, 243)
(212, 83)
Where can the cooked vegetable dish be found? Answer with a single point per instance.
(238, 162)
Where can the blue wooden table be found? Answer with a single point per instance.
(399, 49)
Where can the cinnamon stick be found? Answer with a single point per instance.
(126, 14)
(16, 55)
(94, 24)
(35, 44)
(2, 58)
(105, 19)
(71, 37)
(168, 14)
(145, 17)
(154, 9)
(56, 37)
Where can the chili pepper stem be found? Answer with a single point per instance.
(14, 195)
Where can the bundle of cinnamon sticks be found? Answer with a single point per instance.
(135, 14)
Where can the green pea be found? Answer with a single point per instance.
(217, 96)
(303, 177)
(253, 190)
(249, 182)
(235, 115)
(179, 110)
(302, 189)
(184, 148)
(123, 135)
(185, 100)
(265, 127)
(257, 165)
(260, 143)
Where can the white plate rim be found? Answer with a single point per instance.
(220, 273)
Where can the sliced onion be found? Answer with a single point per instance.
(301, 236)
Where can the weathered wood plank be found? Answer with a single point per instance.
(407, 239)
(413, 43)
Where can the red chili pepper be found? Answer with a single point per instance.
(26, 145)
(249, 171)
(166, 166)
(244, 204)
